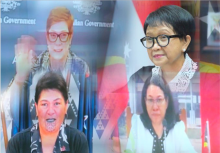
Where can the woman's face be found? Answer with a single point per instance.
(156, 104)
(170, 54)
(51, 110)
(59, 48)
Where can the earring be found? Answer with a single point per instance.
(184, 50)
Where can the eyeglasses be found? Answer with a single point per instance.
(158, 101)
(162, 40)
(53, 36)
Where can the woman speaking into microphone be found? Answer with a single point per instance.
(158, 128)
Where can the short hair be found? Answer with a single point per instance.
(173, 16)
(60, 14)
(170, 116)
(51, 80)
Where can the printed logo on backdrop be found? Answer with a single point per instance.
(87, 7)
(8, 5)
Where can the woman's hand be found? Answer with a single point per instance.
(24, 53)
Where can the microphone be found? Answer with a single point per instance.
(164, 126)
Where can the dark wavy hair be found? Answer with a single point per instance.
(51, 80)
(170, 116)
(174, 17)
